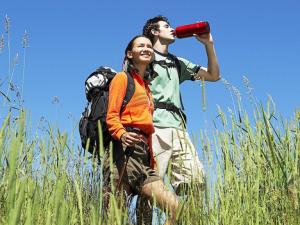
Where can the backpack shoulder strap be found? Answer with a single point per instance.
(175, 60)
(130, 89)
(178, 67)
(177, 63)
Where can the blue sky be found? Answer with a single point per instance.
(69, 39)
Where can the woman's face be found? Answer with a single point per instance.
(142, 51)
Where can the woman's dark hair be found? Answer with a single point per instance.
(130, 44)
(128, 65)
(152, 24)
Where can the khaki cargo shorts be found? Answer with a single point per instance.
(173, 149)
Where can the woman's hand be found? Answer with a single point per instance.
(130, 138)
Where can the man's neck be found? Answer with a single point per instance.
(162, 48)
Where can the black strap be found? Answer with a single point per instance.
(136, 130)
(170, 107)
(178, 67)
(130, 89)
(164, 64)
(177, 64)
(174, 63)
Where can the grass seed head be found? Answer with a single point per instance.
(7, 24)
(2, 43)
(25, 40)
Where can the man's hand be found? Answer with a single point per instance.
(212, 72)
(204, 38)
(130, 138)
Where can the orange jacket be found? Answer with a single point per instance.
(138, 111)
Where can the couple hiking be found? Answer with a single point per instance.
(149, 133)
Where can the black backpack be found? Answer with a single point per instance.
(97, 93)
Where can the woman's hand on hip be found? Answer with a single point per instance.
(130, 138)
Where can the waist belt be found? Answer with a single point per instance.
(143, 145)
(136, 130)
(170, 107)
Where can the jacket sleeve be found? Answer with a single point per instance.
(117, 91)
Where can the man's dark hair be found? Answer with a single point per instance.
(152, 24)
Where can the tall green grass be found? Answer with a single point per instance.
(44, 181)
(252, 176)
(256, 170)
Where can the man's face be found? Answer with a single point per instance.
(165, 32)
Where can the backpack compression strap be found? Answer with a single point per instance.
(174, 63)
(170, 107)
(130, 89)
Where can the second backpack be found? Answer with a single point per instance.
(97, 94)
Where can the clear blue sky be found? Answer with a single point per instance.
(69, 39)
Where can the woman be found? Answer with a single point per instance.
(132, 128)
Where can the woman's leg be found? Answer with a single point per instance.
(165, 198)
(143, 210)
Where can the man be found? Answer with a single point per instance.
(171, 143)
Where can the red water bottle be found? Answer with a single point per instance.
(184, 31)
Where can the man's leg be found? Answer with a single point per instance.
(186, 167)
(162, 149)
